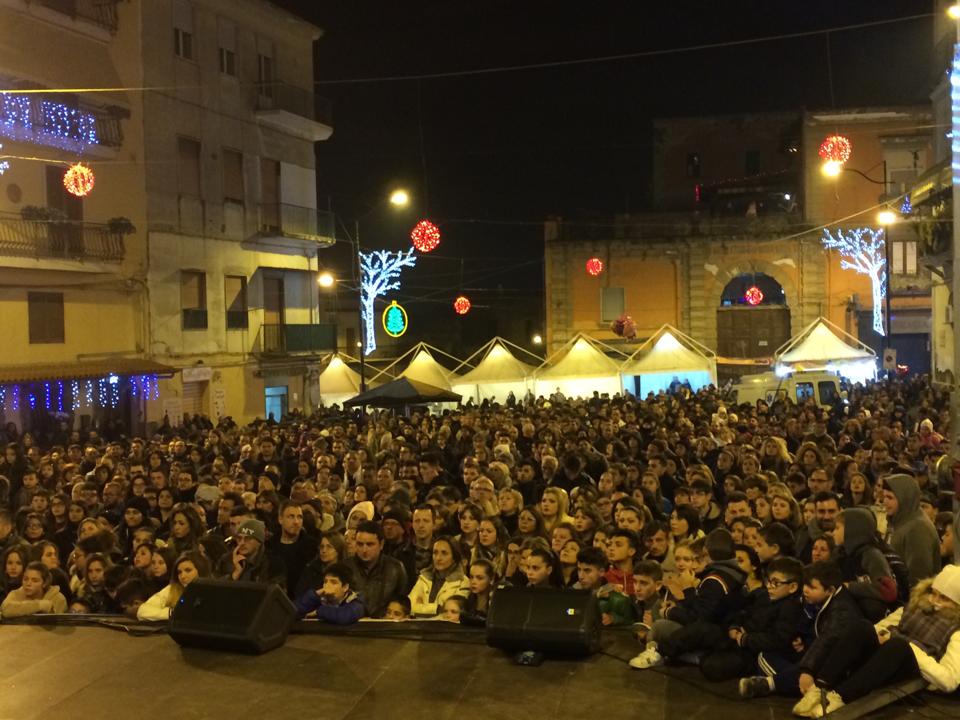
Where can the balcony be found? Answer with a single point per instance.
(60, 239)
(71, 126)
(194, 319)
(293, 110)
(296, 339)
(278, 220)
(102, 13)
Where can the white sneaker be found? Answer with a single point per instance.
(811, 699)
(649, 658)
(834, 702)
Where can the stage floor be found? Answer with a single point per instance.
(88, 672)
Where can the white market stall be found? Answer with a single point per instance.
(498, 373)
(668, 356)
(338, 382)
(422, 367)
(824, 346)
(580, 368)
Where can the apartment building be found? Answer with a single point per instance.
(185, 280)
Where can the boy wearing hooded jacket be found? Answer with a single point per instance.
(865, 569)
(909, 531)
(688, 625)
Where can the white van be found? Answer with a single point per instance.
(822, 387)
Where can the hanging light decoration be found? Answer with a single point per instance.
(836, 148)
(594, 266)
(78, 180)
(753, 295)
(461, 306)
(425, 236)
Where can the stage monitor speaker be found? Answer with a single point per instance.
(244, 617)
(547, 620)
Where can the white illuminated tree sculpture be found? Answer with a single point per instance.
(379, 271)
(864, 250)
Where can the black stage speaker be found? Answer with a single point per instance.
(547, 620)
(244, 617)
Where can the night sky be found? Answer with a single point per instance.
(489, 156)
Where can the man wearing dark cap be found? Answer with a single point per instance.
(250, 561)
(395, 542)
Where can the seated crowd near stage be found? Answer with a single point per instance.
(806, 551)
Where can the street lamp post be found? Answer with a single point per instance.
(885, 218)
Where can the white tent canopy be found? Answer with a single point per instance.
(498, 373)
(669, 355)
(580, 368)
(424, 367)
(824, 345)
(338, 382)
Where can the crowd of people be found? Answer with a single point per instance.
(806, 551)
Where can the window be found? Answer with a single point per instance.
(693, 165)
(751, 162)
(45, 317)
(828, 392)
(188, 166)
(235, 289)
(804, 391)
(611, 304)
(227, 34)
(903, 257)
(193, 299)
(232, 176)
(265, 76)
(183, 30)
(228, 62)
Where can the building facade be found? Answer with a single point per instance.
(185, 281)
(743, 204)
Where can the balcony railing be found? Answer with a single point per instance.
(290, 339)
(295, 100)
(296, 222)
(102, 13)
(237, 319)
(67, 240)
(194, 318)
(51, 120)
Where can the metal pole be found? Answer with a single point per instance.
(358, 278)
(886, 250)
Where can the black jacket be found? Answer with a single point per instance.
(836, 615)
(379, 583)
(716, 599)
(771, 626)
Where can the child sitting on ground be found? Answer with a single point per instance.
(616, 608)
(335, 602)
(919, 641)
(647, 582)
(837, 610)
(715, 599)
(768, 625)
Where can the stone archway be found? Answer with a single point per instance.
(753, 330)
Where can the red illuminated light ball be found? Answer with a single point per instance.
(461, 306)
(753, 295)
(836, 148)
(425, 236)
(594, 266)
(79, 180)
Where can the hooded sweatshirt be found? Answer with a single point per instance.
(912, 536)
(865, 568)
